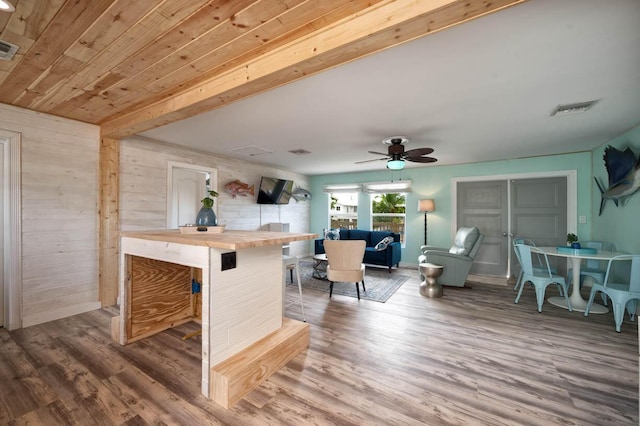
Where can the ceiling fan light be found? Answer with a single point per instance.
(395, 164)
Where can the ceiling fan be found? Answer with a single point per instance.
(396, 155)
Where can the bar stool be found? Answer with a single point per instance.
(290, 263)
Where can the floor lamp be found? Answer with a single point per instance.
(426, 206)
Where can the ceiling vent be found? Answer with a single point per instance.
(250, 151)
(300, 151)
(573, 108)
(7, 50)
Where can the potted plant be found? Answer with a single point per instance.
(571, 239)
(206, 215)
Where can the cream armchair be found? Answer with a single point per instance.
(456, 260)
(344, 262)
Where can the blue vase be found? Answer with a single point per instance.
(206, 217)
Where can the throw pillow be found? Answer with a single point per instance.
(384, 243)
(331, 234)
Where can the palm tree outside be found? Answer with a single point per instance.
(388, 213)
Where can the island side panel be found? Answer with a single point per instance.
(193, 256)
(160, 296)
(245, 302)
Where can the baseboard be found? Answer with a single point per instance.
(56, 314)
(485, 279)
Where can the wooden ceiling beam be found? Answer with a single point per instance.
(179, 48)
(378, 27)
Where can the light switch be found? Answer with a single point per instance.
(582, 219)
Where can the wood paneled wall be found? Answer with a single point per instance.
(59, 214)
(143, 183)
(60, 195)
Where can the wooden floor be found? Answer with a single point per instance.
(472, 357)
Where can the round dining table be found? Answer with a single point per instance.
(576, 256)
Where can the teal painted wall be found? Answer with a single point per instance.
(435, 182)
(620, 225)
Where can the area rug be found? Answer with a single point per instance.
(380, 284)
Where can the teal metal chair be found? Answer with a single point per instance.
(596, 269)
(539, 278)
(537, 264)
(593, 268)
(624, 292)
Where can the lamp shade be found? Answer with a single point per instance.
(426, 205)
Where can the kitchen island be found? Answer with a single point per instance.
(229, 282)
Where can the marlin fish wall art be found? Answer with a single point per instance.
(624, 175)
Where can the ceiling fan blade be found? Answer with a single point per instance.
(368, 161)
(421, 159)
(396, 151)
(418, 152)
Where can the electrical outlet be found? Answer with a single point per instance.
(582, 219)
(228, 261)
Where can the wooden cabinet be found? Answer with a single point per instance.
(160, 296)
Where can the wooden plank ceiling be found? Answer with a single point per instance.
(130, 66)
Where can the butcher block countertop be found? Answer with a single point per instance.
(231, 240)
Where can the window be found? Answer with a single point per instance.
(388, 212)
(343, 210)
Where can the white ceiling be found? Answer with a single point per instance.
(476, 92)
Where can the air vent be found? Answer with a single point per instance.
(250, 151)
(573, 108)
(7, 50)
(300, 151)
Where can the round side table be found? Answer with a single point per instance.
(320, 263)
(430, 287)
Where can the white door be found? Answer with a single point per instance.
(189, 187)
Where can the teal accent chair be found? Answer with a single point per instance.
(623, 293)
(456, 260)
(540, 279)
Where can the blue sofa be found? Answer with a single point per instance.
(387, 257)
